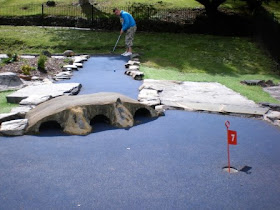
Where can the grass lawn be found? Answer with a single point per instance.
(187, 57)
(167, 4)
(4, 106)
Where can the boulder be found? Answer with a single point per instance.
(10, 81)
(74, 113)
(68, 53)
(13, 127)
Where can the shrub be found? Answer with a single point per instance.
(26, 69)
(41, 63)
(11, 58)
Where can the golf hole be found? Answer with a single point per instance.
(232, 170)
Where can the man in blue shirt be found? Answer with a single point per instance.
(128, 26)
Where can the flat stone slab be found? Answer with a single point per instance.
(52, 90)
(273, 91)
(197, 96)
(10, 81)
(13, 127)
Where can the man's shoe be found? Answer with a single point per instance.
(127, 54)
(123, 54)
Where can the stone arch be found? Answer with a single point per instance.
(50, 125)
(100, 118)
(142, 112)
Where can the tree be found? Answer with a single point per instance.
(84, 2)
(211, 6)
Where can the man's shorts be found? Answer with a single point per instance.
(130, 36)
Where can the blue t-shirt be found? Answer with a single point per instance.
(128, 20)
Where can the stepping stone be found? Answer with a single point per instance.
(53, 90)
(21, 110)
(9, 116)
(35, 100)
(14, 127)
(273, 91)
(133, 68)
(79, 65)
(69, 68)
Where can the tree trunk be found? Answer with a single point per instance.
(83, 2)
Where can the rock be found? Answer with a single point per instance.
(25, 77)
(46, 53)
(3, 56)
(9, 116)
(68, 53)
(262, 83)
(160, 110)
(74, 113)
(69, 68)
(27, 56)
(133, 67)
(197, 96)
(76, 123)
(253, 82)
(131, 62)
(274, 107)
(35, 100)
(52, 90)
(35, 78)
(13, 127)
(80, 59)
(21, 110)
(10, 81)
(79, 65)
(137, 75)
(149, 97)
(134, 56)
(63, 75)
(272, 115)
(273, 91)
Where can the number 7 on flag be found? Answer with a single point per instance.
(232, 137)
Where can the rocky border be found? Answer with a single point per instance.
(13, 123)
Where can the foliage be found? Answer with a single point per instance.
(11, 58)
(224, 59)
(211, 6)
(41, 63)
(4, 106)
(142, 11)
(26, 69)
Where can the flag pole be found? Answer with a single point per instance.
(227, 123)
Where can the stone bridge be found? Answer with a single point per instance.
(74, 113)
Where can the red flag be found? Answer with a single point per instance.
(232, 137)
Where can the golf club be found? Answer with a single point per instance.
(116, 44)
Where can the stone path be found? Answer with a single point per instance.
(192, 96)
(197, 96)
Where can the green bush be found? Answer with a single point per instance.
(26, 69)
(11, 58)
(41, 63)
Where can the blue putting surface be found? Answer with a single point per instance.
(173, 162)
(105, 74)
